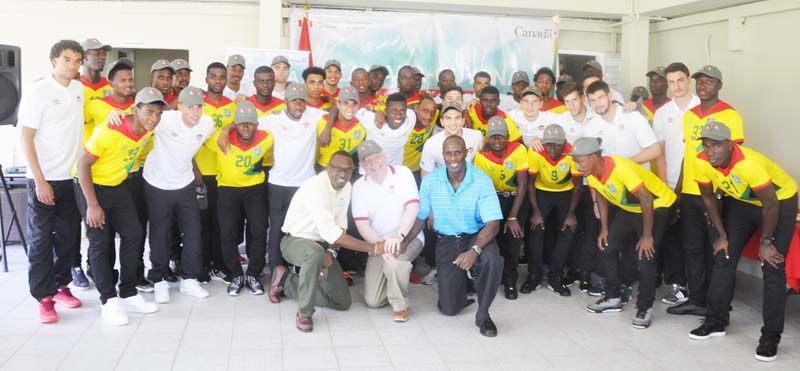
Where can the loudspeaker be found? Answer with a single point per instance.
(10, 92)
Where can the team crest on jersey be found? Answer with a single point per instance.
(622, 128)
(612, 189)
(541, 127)
(509, 165)
(563, 166)
(106, 93)
(736, 179)
(357, 134)
(227, 112)
(275, 112)
(257, 152)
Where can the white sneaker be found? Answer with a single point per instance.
(192, 288)
(113, 312)
(430, 278)
(137, 304)
(161, 292)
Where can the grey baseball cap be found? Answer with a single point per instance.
(349, 93)
(641, 92)
(122, 62)
(94, 43)
(368, 147)
(191, 96)
(149, 95)
(246, 113)
(160, 65)
(710, 71)
(554, 134)
(497, 126)
(660, 70)
(520, 76)
(565, 78)
(715, 130)
(236, 59)
(585, 146)
(180, 64)
(592, 63)
(418, 72)
(280, 59)
(450, 106)
(378, 67)
(296, 91)
(531, 90)
(332, 62)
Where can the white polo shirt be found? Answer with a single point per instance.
(432, 156)
(668, 127)
(575, 129)
(295, 146)
(535, 128)
(56, 112)
(392, 141)
(626, 135)
(383, 204)
(507, 103)
(169, 165)
(245, 88)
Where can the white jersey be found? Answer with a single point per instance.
(507, 103)
(432, 156)
(56, 112)
(535, 128)
(295, 146)
(626, 135)
(575, 129)
(392, 141)
(169, 164)
(246, 89)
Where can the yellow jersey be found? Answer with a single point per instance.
(622, 178)
(693, 122)
(481, 123)
(748, 171)
(650, 108)
(93, 91)
(274, 107)
(221, 114)
(116, 149)
(243, 165)
(554, 106)
(345, 137)
(96, 112)
(504, 170)
(325, 106)
(553, 175)
(412, 150)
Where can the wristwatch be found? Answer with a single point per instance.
(477, 249)
(333, 253)
(766, 241)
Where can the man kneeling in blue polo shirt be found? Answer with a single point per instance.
(467, 219)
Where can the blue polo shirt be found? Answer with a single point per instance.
(463, 211)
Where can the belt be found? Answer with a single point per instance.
(507, 193)
(76, 181)
(452, 236)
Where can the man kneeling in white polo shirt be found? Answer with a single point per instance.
(385, 203)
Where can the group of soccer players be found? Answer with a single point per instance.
(594, 189)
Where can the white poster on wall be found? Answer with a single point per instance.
(254, 58)
(432, 42)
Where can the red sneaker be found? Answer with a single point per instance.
(414, 278)
(47, 310)
(65, 298)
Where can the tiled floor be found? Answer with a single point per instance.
(537, 332)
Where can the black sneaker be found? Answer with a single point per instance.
(531, 284)
(236, 286)
(599, 288)
(220, 275)
(706, 331)
(511, 291)
(255, 286)
(687, 308)
(767, 350)
(585, 282)
(171, 277)
(558, 286)
(570, 278)
(625, 293)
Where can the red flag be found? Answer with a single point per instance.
(305, 40)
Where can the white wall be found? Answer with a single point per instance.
(203, 29)
(760, 81)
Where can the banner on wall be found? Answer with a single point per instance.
(432, 42)
(254, 58)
